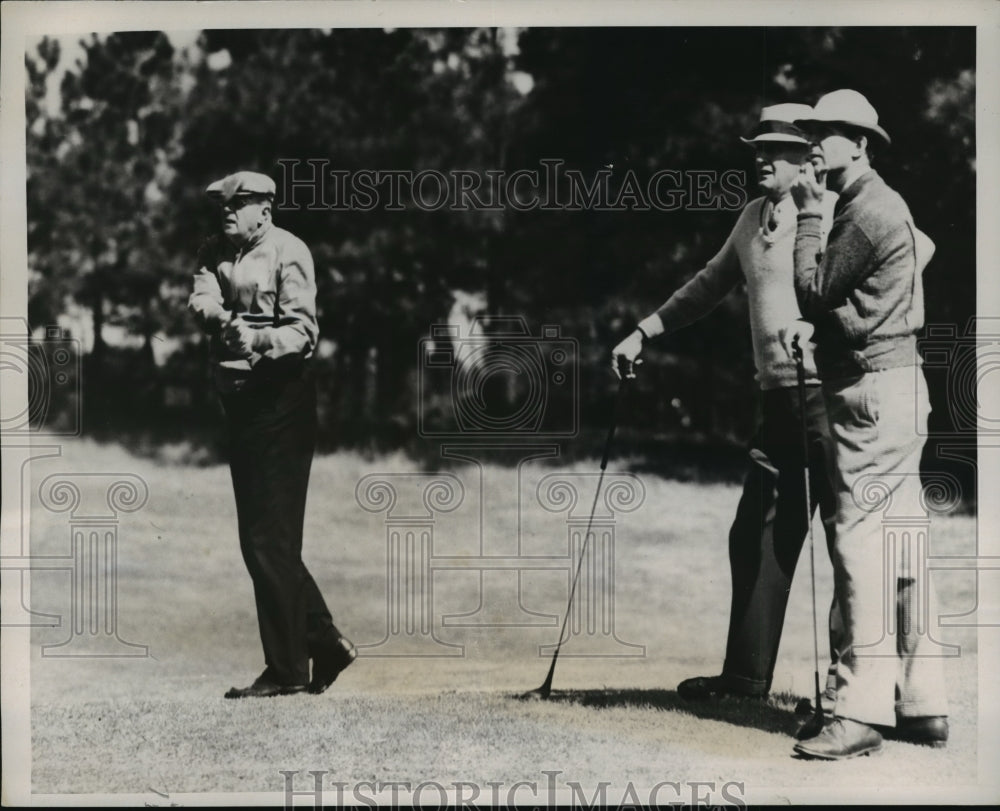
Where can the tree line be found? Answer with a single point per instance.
(118, 164)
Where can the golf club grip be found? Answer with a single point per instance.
(800, 370)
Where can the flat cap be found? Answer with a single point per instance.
(240, 184)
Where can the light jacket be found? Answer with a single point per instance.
(270, 283)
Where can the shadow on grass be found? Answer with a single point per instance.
(774, 714)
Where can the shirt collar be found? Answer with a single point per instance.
(855, 187)
(253, 240)
(257, 236)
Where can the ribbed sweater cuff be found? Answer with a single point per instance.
(652, 325)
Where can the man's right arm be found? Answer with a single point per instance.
(700, 295)
(694, 300)
(207, 302)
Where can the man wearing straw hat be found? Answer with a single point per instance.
(770, 525)
(864, 299)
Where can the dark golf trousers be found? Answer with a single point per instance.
(770, 527)
(272, 432)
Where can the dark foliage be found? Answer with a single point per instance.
(116, 210)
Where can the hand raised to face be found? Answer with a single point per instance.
(808, 189)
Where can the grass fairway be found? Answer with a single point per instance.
(159, 723)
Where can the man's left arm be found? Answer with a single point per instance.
(295, 331)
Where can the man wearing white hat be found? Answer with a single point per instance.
(769, 528)
(255, 296)
(864, 300)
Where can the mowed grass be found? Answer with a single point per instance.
(160, 722)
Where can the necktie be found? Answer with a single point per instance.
(772, 220)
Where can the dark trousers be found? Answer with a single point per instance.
(272, 432)
(770, 528)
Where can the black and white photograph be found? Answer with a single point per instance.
(488, 404)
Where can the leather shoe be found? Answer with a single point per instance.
(263, 687)
(331, 658)
(840, 739)
(925, 730)
(710, 688)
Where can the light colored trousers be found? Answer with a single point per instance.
(884, 664)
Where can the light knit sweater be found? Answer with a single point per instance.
(764, 260)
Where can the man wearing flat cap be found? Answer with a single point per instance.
(255, 296)
(864, 302)
(770, 526)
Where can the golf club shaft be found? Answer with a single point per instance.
(800, 373)
(547, 684)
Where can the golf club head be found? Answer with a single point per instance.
(543, 692)
(817, 718)
(811, 728)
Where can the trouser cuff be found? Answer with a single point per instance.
(920, 709)
(863, 716)
(746, 685)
